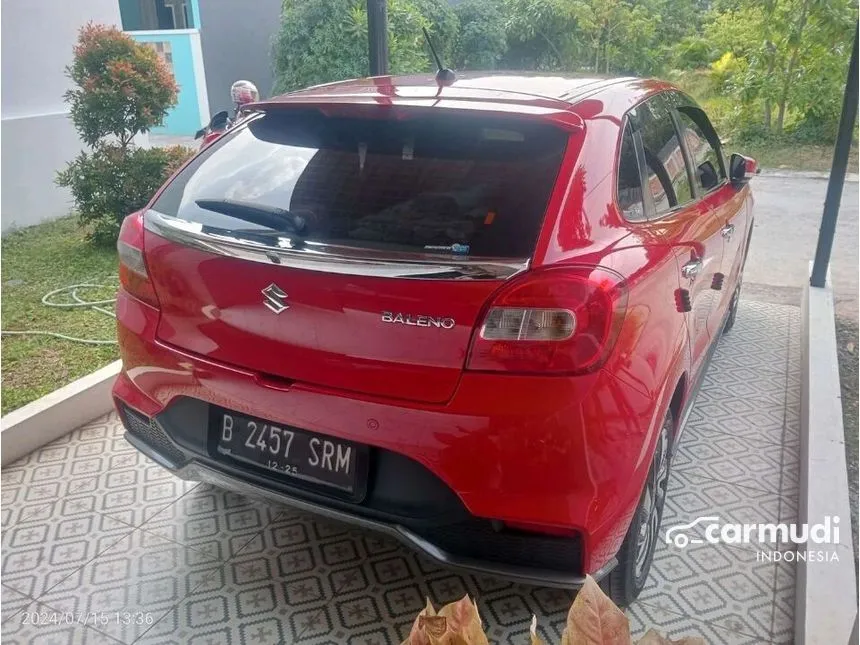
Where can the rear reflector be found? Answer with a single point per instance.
(553, 321)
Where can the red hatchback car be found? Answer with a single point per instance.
(471, 316)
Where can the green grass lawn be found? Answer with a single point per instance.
(35, 261)
(793, 156)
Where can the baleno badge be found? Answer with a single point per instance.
(417, 321)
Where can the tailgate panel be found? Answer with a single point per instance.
(332, 332)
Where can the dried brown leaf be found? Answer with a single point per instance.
(535, 639)
(457, 623)
(417, 635)
(594, 619)
(464, 621)
(433, 626)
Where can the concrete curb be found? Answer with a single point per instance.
(826, 598)
(55, 414)
(804, 174)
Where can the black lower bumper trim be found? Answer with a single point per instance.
(196, 471)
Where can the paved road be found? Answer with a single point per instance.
(788, 215)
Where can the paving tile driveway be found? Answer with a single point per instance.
(101, 545)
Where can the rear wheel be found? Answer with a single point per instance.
(733, 310)
(626, 581)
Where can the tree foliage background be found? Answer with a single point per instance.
(763, 68)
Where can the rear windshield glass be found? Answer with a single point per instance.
(444, 184)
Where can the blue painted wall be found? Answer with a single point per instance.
(185, 117)
(194, 13)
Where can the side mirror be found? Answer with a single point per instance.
(708, 177)
(742, 169)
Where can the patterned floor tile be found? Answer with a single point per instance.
(726, 586)
(272, 589)
(41, 624)
(213, 520)
(690, 496)
(646, 615)
(740, 461)
(142, 577)
(11, 602)
(91, 525)
(51, 539)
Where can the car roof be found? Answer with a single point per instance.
(527, 89)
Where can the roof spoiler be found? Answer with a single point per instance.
(551, 111)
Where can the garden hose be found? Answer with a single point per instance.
(96, 305)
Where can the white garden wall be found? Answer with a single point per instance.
(36, 136)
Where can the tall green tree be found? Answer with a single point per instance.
(540, 34)
(321, 41)
(481, 43)
(793, 56)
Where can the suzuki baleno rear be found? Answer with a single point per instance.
(414, 308)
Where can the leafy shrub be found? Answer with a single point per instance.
(693, 52)
(122, 88)
(112, 181)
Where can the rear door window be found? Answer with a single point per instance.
(703, 146)
(668, 181)
(430, 184)
(629, 182)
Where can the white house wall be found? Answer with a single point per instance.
(36, 136)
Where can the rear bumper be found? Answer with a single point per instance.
(556, 455)
(197, 471)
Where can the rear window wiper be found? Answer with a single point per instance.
(272, 217)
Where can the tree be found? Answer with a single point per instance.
(540, 34)
(793, 55)
(620, 34)
(322, 41)
(481, 43)
(122, 88)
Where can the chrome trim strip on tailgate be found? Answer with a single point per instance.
(331, 258)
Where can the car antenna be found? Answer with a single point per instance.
(444, 76)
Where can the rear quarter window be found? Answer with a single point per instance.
(429, 184)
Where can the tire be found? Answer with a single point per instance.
(733, 310)
(625, 582)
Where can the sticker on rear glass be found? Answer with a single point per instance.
(459, 249)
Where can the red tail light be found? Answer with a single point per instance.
(559, 321)
(132, 267)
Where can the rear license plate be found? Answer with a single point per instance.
(296, 454)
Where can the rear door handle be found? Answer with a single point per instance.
(727, 231)
(692, 269)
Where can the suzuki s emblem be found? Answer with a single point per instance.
(275, 298)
